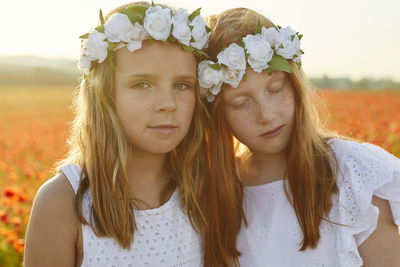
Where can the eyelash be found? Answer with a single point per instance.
(136, 85)
(186, 86)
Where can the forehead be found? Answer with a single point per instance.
(156, 57)
(255, 81)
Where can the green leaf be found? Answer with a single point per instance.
(111, 46)
(202, 54)
(101, 17)
(208, 29)
(295, 56)
(244, 78)
(100, 28)
(215, 66)
(85, 36)
(276, 27)
(188, 48)
(152, 3)
(111, 60)
(223, 65)
(279, 63)
(135, 13)
(268, 70)
(241, 43)
(300, 36)
(192, 40)
(301, 51)
(191, 27)
(292, 37)
(258, 29)
(194, 14)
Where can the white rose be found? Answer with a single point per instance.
(286, 47)
(199, 32)
(233, 57)
(135, 37)
(181, 30)
(208, 77)
(117, 28)
(157, 22)
(259, 50)
(271, 35)
(96, 47)
(84, 62)
(233, 76)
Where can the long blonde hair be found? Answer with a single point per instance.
(311, 177)
(99, 145)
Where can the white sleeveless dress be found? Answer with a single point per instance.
(273, 235)
(164, 237)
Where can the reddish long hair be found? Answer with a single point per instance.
(311, 177)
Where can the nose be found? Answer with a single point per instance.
(165, 99)
(265, 111)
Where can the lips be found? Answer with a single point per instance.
(273, 132)
(164, 129)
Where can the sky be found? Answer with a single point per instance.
(342, 38)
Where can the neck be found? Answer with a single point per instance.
(260, 168)
(148, 177)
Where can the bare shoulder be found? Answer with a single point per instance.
(382, 248)
(53, 226)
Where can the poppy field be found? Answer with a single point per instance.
(34, 126)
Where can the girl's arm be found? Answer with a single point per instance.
(382, 248)
(52, 232)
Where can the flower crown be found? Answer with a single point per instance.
(130, 26)
(267, 50)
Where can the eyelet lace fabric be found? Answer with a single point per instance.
(273, 237)
(164, 237)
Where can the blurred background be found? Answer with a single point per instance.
(351, 56)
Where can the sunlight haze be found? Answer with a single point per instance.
(357, 38)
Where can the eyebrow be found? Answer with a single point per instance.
(153, 76)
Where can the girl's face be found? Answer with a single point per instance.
(155, 95)
(260, 112)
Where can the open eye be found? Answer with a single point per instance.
(182, 86)
(140, 85)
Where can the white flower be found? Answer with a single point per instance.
(157, 22)
(233, 76)
(96, 47)
(288, 43)
(233, 57)
(259, 50)
(199, 32)
(84, 62)
(209, 77)
(181, 30)
(271, 35)
(117, 28)
(135, 37)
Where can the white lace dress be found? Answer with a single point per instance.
(273, 235)
(164, 237)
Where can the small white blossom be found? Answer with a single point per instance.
(259, 50)
(271, 35)
(209, 77)
(181, 30)
(157, 22)
(288, 43)
(233, 57)
(96, 47)
(135, 37)
(199, 32)
(233, 76)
